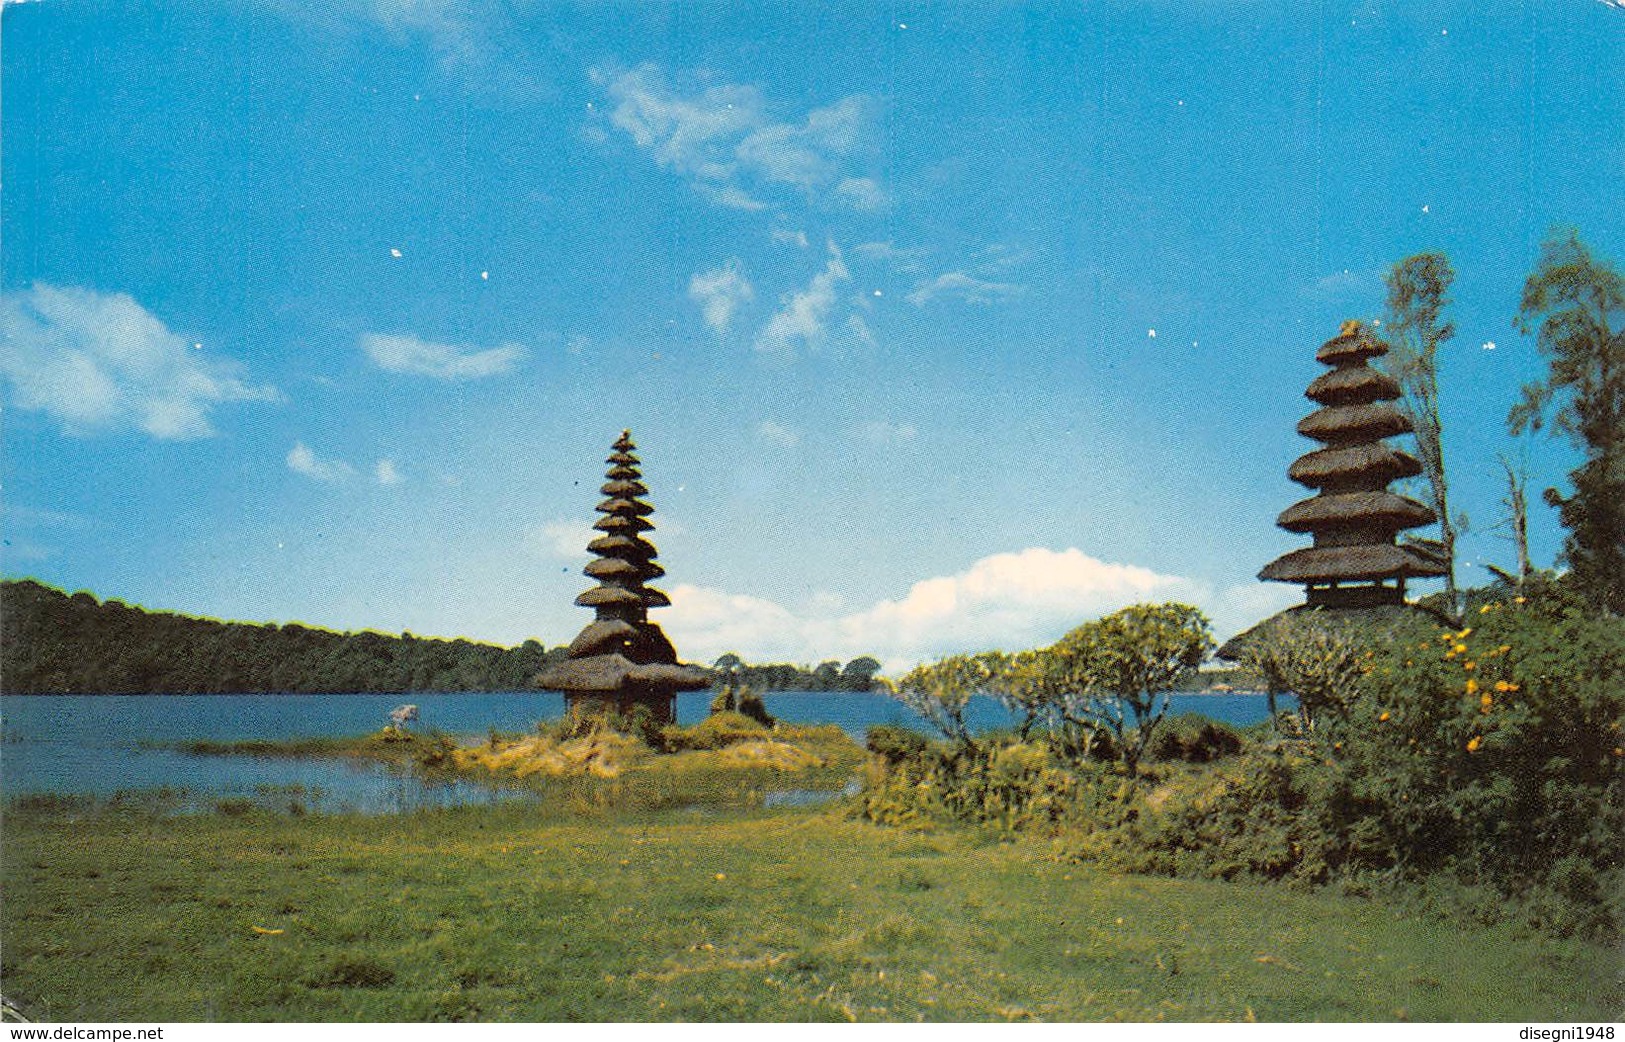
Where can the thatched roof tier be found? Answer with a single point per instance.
(607, 596)
(618, 524)
(624, 442)
(1381, 511)
(603, 635)
(1353, 385)
(622, 569)
(626, 507)
(624, 488)
(1376, 464)
(622, 472)
(627, 547)
(638, 642)
(615, 672)
(1389, 624)
(1352, 345)
(625, 459)
(1338, 424)
(1319, 564)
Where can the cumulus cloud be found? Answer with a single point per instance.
(386, 474)
(803, 314)
(1010, 600)
(723, 139)
(101, 362)
(301, 460)
(1024, 599)
(962, 286)
(720, 293)
(407, 354)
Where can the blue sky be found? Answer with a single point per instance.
(940, 327)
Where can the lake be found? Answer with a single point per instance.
(99, 745)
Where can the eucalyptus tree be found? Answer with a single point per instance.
(1418, 294)
(1575, 305)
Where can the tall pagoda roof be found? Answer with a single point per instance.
(1354, 519)
(622, 653)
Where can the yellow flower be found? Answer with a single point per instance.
(1383, 718)
(1469, 666)
(1502, 686)
(1486, 700)
(1503, 649)
(1463, 634)
(1519, 600)
(1460, 649)
(721, 876)
(1618, 751)
(1474, 743)
(1485, 610)
(1472, 686)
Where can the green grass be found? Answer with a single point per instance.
(539, 913)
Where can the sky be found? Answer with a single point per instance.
(939, 327)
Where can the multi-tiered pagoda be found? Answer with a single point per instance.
(622, 660)
(1355, 561)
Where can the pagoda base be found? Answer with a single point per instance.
(1373, 595)
(660, 705)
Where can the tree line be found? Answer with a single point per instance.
(52, 642)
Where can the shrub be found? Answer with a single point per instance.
(1195, 739)
(716, 731)
(751, 705)
(894, 744)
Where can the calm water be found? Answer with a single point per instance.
(99, 745)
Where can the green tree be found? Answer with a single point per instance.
(1311, 655)
(940, 691)
(1575, 305)
(1418, 294)
(1029, 687)
(1121, 670)
(859, 674)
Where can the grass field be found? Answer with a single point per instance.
(519, 912)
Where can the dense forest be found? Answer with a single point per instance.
(55, 643)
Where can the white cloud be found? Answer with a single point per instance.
(723, 140)
(562, 540)
(1010, 600)
(406, 354)
(794, 238)
(803, 313)
(386, 473)
(964, 287)
(861, 193)
(778, 434)
(720, 293)
(102, 362)
(301, 460)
